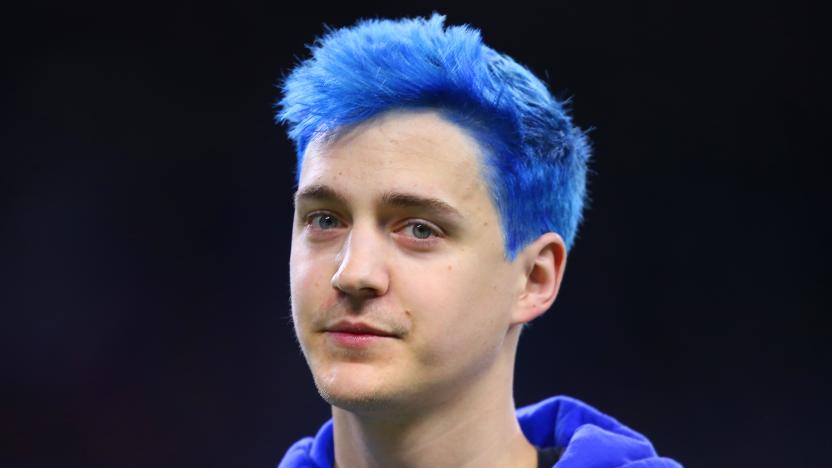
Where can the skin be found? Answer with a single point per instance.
(394, 228)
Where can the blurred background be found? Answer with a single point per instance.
(145, 221)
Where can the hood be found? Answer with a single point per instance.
(591, 439)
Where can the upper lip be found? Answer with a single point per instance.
(358, 328)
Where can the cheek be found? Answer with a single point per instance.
(309, 282)
(462, 312)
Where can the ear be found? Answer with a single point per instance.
(542, 264)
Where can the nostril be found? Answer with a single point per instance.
(361, 283)
(363, 268)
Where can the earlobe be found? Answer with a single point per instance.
(543, 262)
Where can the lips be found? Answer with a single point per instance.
(357, 336)
(358, 328)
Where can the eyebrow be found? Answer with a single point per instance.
(397, 199)
(319, 192)
(407, 200)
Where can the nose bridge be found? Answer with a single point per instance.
(362, 269)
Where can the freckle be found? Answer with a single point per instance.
(485, 223)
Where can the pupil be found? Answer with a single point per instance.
(326, 222)
(421, 231)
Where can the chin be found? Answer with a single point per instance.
(357, 400)
(359, 404)
(357, 392)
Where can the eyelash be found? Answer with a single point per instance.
(436, 232)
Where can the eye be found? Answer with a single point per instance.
(420, 230)
(323, 221)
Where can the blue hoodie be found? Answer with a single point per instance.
(591, 439)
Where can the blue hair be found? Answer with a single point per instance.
(535, 159)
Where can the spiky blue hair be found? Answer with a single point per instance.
(534, 157)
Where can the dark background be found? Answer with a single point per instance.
(145, 202)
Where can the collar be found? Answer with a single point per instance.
(590, 438)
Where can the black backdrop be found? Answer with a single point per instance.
(146, 223)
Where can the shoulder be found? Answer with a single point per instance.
(587, 436)
(311, 452)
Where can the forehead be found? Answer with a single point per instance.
(415, 152)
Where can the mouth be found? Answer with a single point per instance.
(356, 334)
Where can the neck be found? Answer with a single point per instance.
(474, 429)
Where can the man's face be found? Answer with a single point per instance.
(401, 293)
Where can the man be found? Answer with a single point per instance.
(440, 186)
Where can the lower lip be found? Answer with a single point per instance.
(355, 340)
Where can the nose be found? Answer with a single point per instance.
(362, 272)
